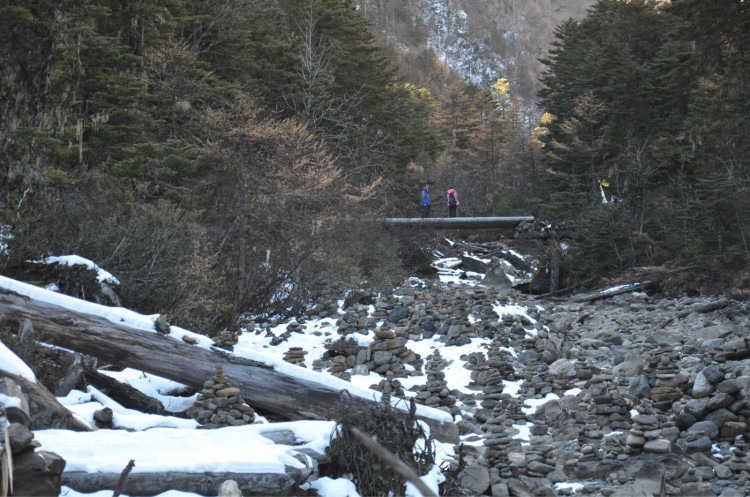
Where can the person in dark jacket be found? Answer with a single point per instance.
(453, 202)
(425, 202)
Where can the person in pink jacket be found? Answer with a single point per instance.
(452, 202)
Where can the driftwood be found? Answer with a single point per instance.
(261, 385)
(6, 459)
(71, 377)
(611, 292)
(45, 411)
(123, 394)
(702, 308)
(123, 478)
(204, 483)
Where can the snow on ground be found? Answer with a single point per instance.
(168, 443)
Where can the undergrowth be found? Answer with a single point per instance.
(397, 432)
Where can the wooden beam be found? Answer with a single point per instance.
(275, 388)
(447, 222)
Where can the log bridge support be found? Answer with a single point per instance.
(447, 222)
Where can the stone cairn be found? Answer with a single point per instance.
(644, 433)
(435, 392)
(498, 439)
(296, 356)
(355, 319)
(388, 352)
(226, 339)
(327, 309)
(390, 385)
(539, 457)
(35, 471)
(661, 370)
(292, 327)
(491, 379)
(219, 404)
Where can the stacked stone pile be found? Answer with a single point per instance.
(295, 355)
(390, 385)
(435, 392)
(645, 435)
(381, 308)
(719, 402)
(499, 442)
(36, 472)
(388, 352)
(226, 339)
(326, 309)
(540, 460)
(341, 356)
(663, 373)
(355, 319)
(220, 404)
(292, 327)
(492, 391)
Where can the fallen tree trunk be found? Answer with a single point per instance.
(611, 292)
(204, 483)
(44, 409)
(714, 305)
(123, 394)
(287, 390)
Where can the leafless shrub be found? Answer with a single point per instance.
(395, 431)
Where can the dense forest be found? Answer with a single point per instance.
(201, 150)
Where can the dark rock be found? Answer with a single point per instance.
(651, 477)
(708, 428)
(397, 314)
(684, 421)
(731, 429)
(701, 444)
(598, 469)
(20, 437)
(37, 473)
(475, 478)
(696, 489)
(518, 489)
(719, 400)
(713, 374)
(720, 417)
(639, 387)
(697, 407)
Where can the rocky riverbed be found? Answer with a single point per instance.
(645, 395)
(623, 392)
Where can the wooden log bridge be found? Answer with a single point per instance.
(448, 222)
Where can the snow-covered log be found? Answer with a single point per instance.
(201, 483)
(612, 291)
(120, 337)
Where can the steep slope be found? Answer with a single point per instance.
(479, 40)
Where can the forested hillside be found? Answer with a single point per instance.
(477, 40)
(197, 148)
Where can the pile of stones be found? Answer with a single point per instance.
(435, 392)
(296, 356)
(226, 339)
(220, 404)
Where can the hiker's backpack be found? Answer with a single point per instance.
(452, 200)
